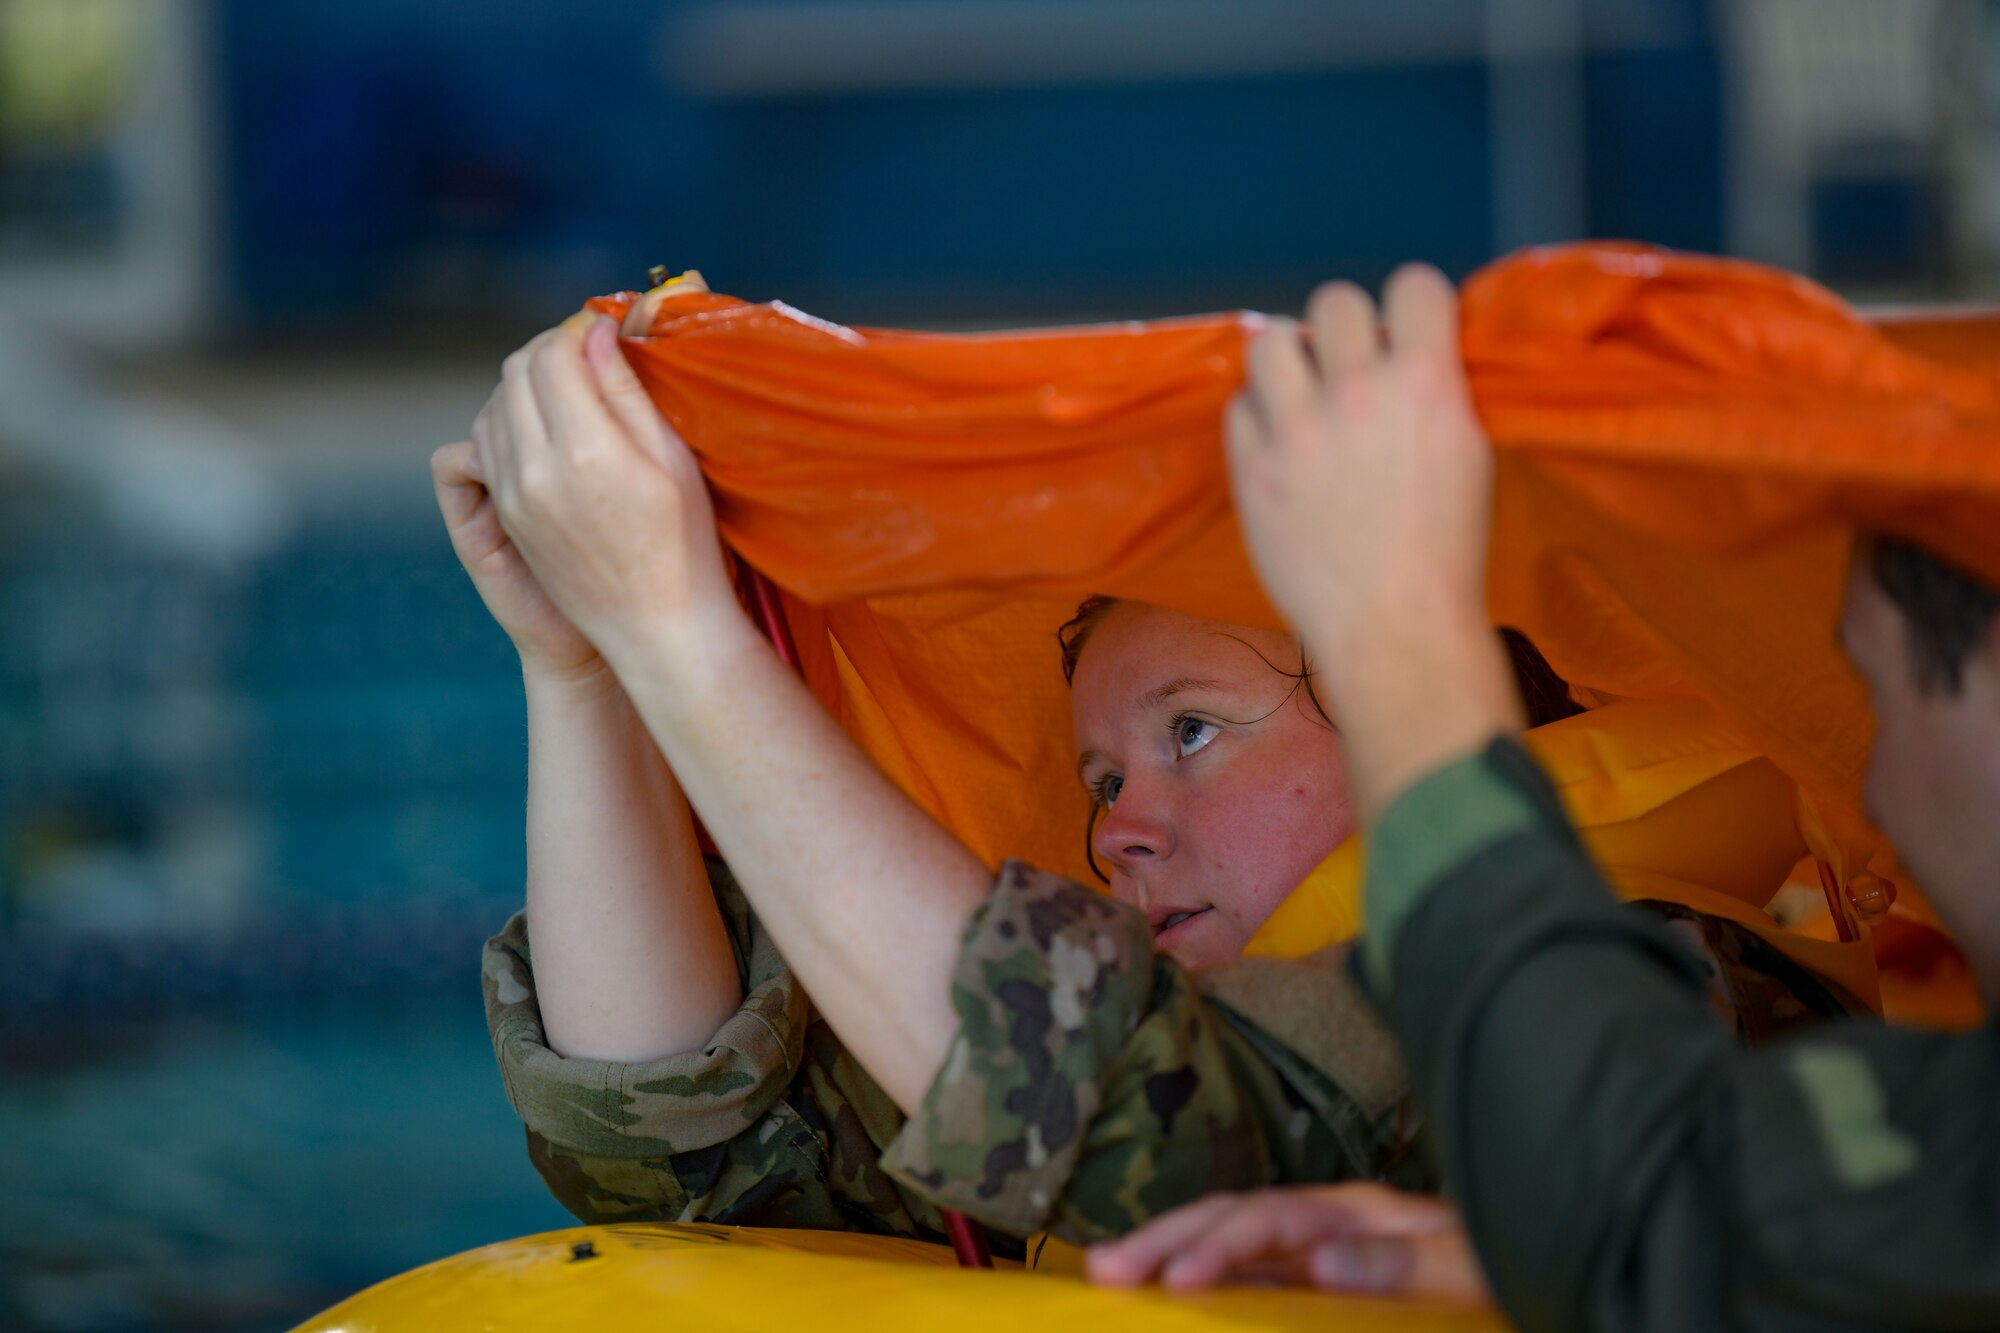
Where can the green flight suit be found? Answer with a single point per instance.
(1621, 1163)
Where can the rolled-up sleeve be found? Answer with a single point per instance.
(770, 1123)
(646, 1109)
(1093, 1085)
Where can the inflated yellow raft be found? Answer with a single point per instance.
(713, 1279)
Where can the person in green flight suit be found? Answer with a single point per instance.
(1618, 1164)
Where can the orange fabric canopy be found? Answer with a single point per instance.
(1685, 445)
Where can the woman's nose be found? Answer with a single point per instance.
(1133, 832)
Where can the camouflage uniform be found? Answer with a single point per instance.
(1093, 1084)
(772, 1123)
(1152, 1094)
(1620, 1163)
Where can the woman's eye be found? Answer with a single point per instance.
(1191, 733)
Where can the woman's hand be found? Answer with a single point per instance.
(1360, 1237)
(550, 647)
(600, 498)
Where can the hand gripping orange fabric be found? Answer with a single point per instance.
(1686, 446)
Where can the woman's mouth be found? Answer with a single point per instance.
(1169, 925)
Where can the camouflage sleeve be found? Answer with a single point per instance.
(1093, 1085)
(770, 1123)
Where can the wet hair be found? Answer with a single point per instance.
(1544, 695)
(1076, 631)
(1948, 610)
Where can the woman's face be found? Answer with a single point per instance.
(1220, 786)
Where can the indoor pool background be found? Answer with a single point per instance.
(261, 751)
(243, 1067)
(243, 1170)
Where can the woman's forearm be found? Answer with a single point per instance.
(864, 893)
(631, 958)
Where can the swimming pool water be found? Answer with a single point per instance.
(242, 1171)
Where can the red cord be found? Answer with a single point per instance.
(968, 1240)
(1835, 901)
(761, 598)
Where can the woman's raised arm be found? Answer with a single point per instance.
(864, 894)
(631, 958)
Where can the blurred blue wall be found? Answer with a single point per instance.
(542, 147)
(255, 818)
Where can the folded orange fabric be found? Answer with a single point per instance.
(1686, 447)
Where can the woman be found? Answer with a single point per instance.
(659, 1048)
(659, 1045)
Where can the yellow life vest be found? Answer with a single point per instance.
(1672, 805)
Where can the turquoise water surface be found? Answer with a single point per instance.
(244, 1171)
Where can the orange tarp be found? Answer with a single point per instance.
(1685, 446)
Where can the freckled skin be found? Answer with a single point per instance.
(1233, 825)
